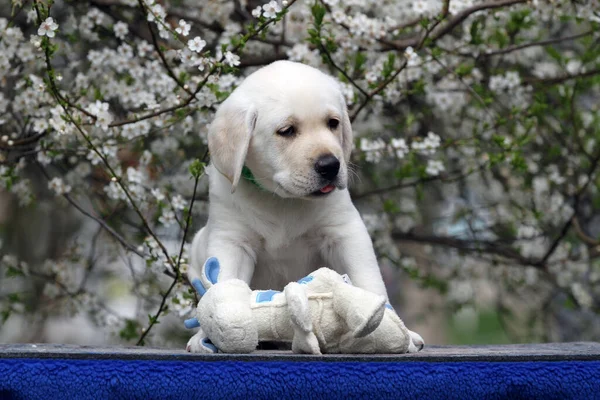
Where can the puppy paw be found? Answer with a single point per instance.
(416, 342)
(199, 343)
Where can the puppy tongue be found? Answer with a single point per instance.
(328, 188)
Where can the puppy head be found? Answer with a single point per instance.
(288, 123)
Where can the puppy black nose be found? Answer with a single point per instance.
(328, 166)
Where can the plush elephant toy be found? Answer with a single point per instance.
(321, 313)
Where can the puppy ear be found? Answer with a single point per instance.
(229, 138)
(347, 137)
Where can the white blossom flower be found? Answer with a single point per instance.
(231, 59)
(48, 28)
(196, 44)
(158, 195)
(23, 191)
(103, 116)
(256, 13)
(183, 28)
(115, 191)
(134, 175)
(271, 9)
(339, 16)
(156, 11)
(373, 149)
(399, 147)
(460, 291)
(43, 158)
(167, 218)
(427, 146)
(36, 41)
(31, 16)
(144, 48)
(412, 57)
(181, 305)
(508, 81)
(178, 202)
(574, 67)
(40, 125)
(545, 69)
(348, 92)
(58, 186)
(299, 52)
(146, 158)
(121, 29)
(434, 167)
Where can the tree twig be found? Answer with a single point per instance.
(161, 307)
(100, 221)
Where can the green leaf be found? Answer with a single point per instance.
(569, 304)
(13, 298)
(359, 61)
(152, 319)
(4, 314)
(552, 52)
(11, 272)
(318, 13)
(388, 66)
(499, 140)
(464, 69)
(518, 162)
(475, 31)
(404, 172)
(390, 206)
(98, 94)
(130, 331)
(197, 168)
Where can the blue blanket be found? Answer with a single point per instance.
(165, 379)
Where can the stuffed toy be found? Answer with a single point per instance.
(321, 313)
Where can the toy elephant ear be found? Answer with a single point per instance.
(208, 276)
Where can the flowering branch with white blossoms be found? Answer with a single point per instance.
(475, 123)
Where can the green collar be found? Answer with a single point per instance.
(249, 176)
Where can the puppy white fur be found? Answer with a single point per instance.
(279, 123)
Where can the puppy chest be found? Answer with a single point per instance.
(276, 266)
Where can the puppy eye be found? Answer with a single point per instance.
(287, 132)
(333, 123)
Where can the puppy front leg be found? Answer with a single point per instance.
(235, 253)
(349, 248)
(236, 260)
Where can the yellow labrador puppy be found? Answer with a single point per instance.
(279, 205)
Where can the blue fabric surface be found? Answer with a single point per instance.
(146, 379)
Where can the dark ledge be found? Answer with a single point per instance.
(578, 351)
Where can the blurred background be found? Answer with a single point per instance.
(475, 166)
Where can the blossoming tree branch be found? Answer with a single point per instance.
(476, 149)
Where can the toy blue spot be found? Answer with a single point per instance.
(264, 296)
(389, 306)
(211, 269)
(306, 279)
(191, 323)
(198, 286)
(206, 343)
